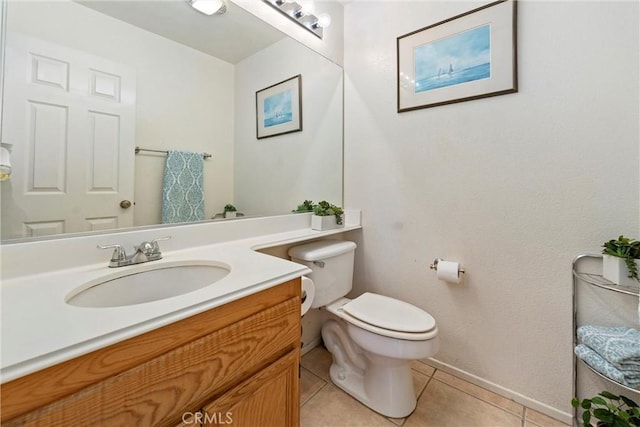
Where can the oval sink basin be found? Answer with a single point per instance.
(146, 285)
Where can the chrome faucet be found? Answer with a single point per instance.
(145, 252)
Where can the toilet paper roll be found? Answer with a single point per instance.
(308, 292)
(449, 271)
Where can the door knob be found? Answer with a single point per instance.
(125, 204)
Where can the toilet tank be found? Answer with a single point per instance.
(331, 263)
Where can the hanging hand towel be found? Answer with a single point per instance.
(182, 188)
(618, 345)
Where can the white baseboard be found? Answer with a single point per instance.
(308, 346)
(543, 408)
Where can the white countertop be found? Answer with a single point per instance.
(39, 329)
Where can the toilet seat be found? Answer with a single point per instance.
(389, 317)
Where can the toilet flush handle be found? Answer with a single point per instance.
(319, 263)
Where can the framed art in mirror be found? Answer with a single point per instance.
(279, 108)
(468, 56)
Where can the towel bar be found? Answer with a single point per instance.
(138, 150)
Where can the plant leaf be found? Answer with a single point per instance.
(609, 395)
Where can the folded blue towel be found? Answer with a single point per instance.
(594, 360)
(618, 345)
(182, 187)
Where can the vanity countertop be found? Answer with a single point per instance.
(39, 329)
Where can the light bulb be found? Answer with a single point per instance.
(324, 20)
(307, 7)
(208, 7)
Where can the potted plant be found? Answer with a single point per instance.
(230, 211)
(620, 261)
(609, 410)
(306, 206)
(327, 216)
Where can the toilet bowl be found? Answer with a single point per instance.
(372, 338)
(379, 375)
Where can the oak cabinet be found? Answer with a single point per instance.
(234, 364)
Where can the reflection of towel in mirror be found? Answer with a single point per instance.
(593, 359)
(620, 345)
(182, 187)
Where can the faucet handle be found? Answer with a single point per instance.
(154, 243)
(119, 253)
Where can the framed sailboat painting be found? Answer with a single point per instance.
(279, 108)
(468, 56)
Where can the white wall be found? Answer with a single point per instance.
(513, 187)
(313, 157)
(184, 97)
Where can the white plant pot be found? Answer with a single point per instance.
(615, 270)
(230, 214)
(328, 222)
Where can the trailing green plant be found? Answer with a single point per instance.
(325, 208)
(626, 248)
(609, 410)
(306, 206)
(229, 208)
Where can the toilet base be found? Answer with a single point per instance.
(387, 391)
(383, 384)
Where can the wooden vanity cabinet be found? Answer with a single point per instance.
(236, 364)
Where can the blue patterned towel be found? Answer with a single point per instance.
(594, 360)
(182, 188)
(620, 346)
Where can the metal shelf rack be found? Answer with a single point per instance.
(600, 282)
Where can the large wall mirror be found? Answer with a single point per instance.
(87, 82)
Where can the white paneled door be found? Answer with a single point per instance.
(71, 119)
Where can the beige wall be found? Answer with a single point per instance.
(513, 187)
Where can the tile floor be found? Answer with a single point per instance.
(443, 400)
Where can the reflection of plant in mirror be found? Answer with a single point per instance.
(627, 249)
(306, 206)
(229, 208)
(325, 208)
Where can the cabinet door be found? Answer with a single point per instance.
(267, 399)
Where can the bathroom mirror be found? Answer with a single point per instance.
(85, 82)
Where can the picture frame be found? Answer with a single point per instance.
(466, 57)
(279, 108)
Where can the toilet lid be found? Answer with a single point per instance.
(389, 313)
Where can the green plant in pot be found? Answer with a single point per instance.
(626, 249)
(608, 409)
(306, 206)
(230, 211)
(325, 208)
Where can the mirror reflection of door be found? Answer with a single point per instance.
(71, 119)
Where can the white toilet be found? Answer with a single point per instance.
(372, 338)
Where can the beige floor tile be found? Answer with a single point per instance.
(443, 405)
(421, 367)
(534, 418)
(481, 393)
(333, 407)
(318, 361)
(309, 385)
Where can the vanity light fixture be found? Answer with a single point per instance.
(209, 7)
(303, 13)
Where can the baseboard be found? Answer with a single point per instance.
(565, 417)
(308, 346)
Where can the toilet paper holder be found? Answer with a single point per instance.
(434, 265)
